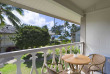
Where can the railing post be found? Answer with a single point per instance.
(66, 64)
(82, 48)
(60, 61)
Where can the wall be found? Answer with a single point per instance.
(98, 32)
(77, 36)
(6, 42)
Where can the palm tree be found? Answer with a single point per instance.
(74, 28)
(6, 11)
(66, 25)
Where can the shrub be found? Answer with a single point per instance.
(31, 36)
(57, 42)
(9, 49)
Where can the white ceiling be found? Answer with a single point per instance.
(84, 4)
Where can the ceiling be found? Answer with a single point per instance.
(69, 10)
(85, 5)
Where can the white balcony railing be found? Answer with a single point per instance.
(18, 54)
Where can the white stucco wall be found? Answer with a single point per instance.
(77, 36)
(98, 32)
(6, 41)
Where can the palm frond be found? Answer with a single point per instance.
(10, 8)
(2, 23)
(11, 15)
(14, 22)
(7, 11)
(19, 10)
(1, 4)
(2, 20)
(1, 17)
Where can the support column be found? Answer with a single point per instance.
(83, 32)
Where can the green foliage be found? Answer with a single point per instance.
(55, 42)
(6, 10)
(31, 36)
(57, 51)
(63, 50)
(25, 68)
(45, 27)
(62, 37)
(66, 24)
(72, 28)
(57, 29)
(40, 54)
(76, 50)
(66, 41)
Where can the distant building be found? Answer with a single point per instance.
(77, 36)
(5, 33)
(51, 33)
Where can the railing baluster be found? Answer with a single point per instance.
(60, 61)
(80, 47)
(34, 63)
(45, 61)
(18, 64)
(66, 64)
(53, 61)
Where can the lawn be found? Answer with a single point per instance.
(25, 67)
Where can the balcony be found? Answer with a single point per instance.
(17, 55)
(92, 15)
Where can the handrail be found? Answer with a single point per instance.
(21, 52)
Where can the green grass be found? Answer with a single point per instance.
(25, 68)
(8, 69)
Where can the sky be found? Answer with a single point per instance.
(36, 19)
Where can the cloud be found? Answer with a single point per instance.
(32, 18)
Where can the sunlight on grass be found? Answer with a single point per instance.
(25, 68)
(8, 69)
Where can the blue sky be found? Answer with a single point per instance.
(36, 19)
